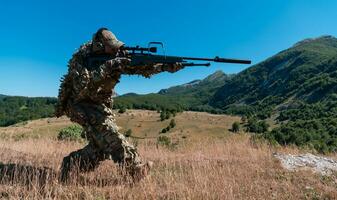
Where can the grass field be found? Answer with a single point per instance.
(205, 162)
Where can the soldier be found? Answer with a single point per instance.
(85, 96)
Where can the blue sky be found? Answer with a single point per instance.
(37, 38)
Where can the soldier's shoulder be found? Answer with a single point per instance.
(78, 58)
(84, 50)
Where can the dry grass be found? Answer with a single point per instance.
(42, 128)
(202, 166)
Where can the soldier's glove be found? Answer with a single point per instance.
(172, 67)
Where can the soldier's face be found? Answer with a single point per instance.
(110, 50)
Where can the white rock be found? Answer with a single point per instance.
(318, 164)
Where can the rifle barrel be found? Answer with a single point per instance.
(217, 59)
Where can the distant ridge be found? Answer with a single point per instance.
(324, 38)
(190, 96)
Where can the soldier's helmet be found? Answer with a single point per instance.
(104, 41)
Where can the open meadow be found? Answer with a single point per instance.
(203, 160)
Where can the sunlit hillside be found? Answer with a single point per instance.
(204, 160)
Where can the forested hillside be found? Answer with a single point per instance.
(17, 109)
(190, 96)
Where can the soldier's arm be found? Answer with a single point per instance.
(122, 65)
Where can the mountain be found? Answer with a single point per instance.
(212, 82)
(305, 72)
(194, 95)
(297, 88)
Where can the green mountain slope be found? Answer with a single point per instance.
(207, 85)
(297, 88)
(305, 72)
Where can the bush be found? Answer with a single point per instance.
(71, 133)
(163, 130)
(236, 127)
(128, 133)
(164, 140)
(318, 134)
(122, 110)
(256, 126)
(243, 119)
(172, 123)
(168, 128)
(165, 115)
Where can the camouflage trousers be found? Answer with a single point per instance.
(105, 142)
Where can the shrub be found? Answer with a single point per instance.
(172, 123)
(243, 119)
(128, 133)
(168, 128)
(164, 140)
(318, 134)
(122, 110)
(236, 127)
(164, 115)
(164, 130)
(256, 126)
(71, 133)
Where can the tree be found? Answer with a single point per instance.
(236, 127)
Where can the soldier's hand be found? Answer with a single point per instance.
(173, 67)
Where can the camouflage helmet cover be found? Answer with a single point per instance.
(105, 41)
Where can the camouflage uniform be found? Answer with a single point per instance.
(85, 96)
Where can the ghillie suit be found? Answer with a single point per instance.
(85, 96)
